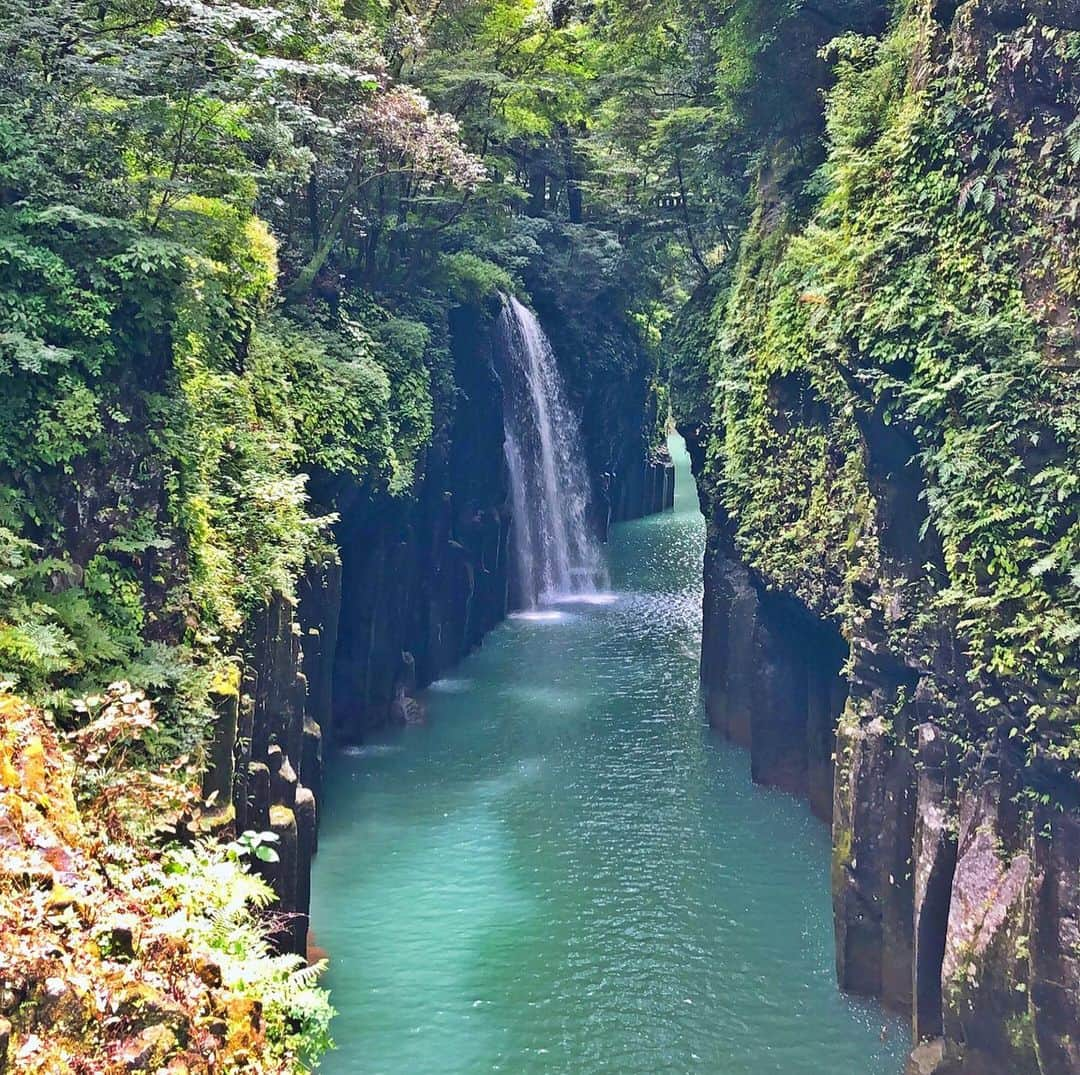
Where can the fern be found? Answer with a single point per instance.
(213, 900)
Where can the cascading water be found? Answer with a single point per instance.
(557, 558)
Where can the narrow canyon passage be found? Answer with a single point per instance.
(564, 871)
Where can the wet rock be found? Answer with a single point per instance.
(311, 765)
(826, 694)
(778, 723)
(242, 750)
(294, 723)
(928, 1058)
(283, 779)
(283, 873)
(218, 779)
(1055, 942)
(855, 873)
(935, 862)
(258, 784)
(319, 613)
(406, 708)
(142, 1007)
(985, 983)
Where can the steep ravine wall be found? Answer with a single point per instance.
(954, 901)
(419, 584)
(888, 623)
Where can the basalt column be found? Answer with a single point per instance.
(265, 765)
(424, 579)
(771, 679)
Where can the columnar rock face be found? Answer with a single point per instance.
(771, 679)
(935, 864)
(1054, 964)
(955, 899)
(871, 449)
(269, 776)
(424, 580)
(420, 582)
(645, 487)
(987, 942)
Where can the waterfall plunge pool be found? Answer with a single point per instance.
(565, 873)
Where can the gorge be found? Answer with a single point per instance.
(563, 871)
(354, 360)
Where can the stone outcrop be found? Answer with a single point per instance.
(956, 878)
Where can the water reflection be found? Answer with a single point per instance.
(564, 873)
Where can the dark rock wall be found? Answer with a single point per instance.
(425, 579)
(954, 901)
(265, 771)
(846, 602)
(771, 679)
(421, 581)
(640, 487)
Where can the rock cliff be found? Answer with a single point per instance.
(891, 607)
(418, 583)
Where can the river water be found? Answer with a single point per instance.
(565, 873)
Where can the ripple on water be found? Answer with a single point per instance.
(541, 615)
(595, 599)
(565, 873)
(450, 685)
(371, 750)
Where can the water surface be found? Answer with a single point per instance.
(565, 873)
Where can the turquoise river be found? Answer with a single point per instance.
(564, 871)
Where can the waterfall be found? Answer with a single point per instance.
(555, 554)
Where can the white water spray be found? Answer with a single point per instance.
(557, 558)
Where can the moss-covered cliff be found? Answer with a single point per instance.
(890, 457)
(251, 444)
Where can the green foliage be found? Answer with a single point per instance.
(207, 890)
(47, 625)
(256, 844)
(472, 279)
(871, 73)
(929, 291)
